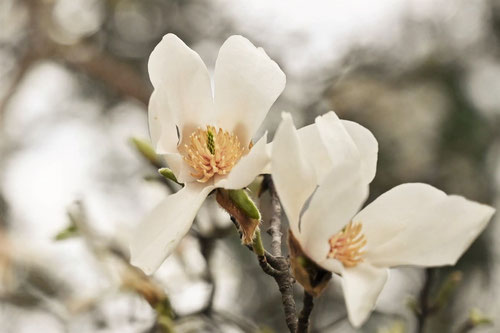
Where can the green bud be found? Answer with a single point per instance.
(70, 231)
(477, 318)
(168, 174)
(447, 289)
(145, 149)
(244, 203)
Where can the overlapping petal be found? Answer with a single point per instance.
(338, 198)
(182, 85)
(417, 224)
(247, 83)
(160, 233)
(331, 141)
(161, 125)
(293, 175)
(367, 146)
(249, 167)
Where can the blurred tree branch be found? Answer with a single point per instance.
(84, 57)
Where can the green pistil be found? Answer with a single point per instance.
(210, 142)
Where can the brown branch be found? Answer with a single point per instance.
(424, 305)
(303, 325)
(275, 223)
(83, 57)
(285, 282)
(119, 76)
(24, 66)
(280, 271)
(207, 245)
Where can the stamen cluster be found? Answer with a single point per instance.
(346, 246)
(212, 152)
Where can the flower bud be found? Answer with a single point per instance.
(313, 278)
(243, 209)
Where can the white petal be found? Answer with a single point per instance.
(179, 167)
(316, 151)
(182, 83)
(292, 173)
(361, 285)
(247, 82)
(332, 206)
(417, 224)
(161, 125)
(158, 235)
(367, 146)
(249, 167)
(336, 140)
(331, 141)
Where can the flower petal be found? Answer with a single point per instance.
(292, 173)
(247, 82)
(182, 84)
(330, 141)
(158, 235)
(179, 167)
(417, 224)
(249, 167)
(361, 285)
(332, 206)
(367, 146)
(161, 125)
(316, 151)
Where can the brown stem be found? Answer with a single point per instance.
(281, 266)
(424, 306)
(275, 223)
(303, 325)
(207, 245)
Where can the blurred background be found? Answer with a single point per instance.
(422, 75)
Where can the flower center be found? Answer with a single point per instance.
(346, 245)
(212, 152)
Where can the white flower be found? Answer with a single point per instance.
(322, 173)
(204, 136)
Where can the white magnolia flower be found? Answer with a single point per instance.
(322, 172)
(204, 136)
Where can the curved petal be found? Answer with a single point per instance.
(332, 206)
(160, 233)
(247, 82)
(182, 84)
(181, 170)
(362, 285)
(331, 141)
(367, 146)
(316, 151)
(249, 167)
(161, 125)
(417, 224)
(337, 141)
(292, 174)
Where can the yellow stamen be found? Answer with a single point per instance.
(212, 152)
(346, 246)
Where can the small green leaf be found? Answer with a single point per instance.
(168, 174)
(244, 203)
(69, 232)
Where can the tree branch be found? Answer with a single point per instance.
(424, 306)
(303, 325)
(275, 223)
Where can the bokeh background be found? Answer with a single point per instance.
(422, 75)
